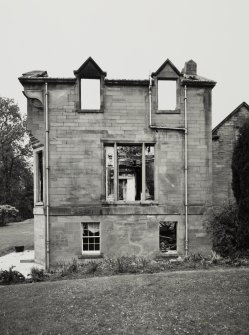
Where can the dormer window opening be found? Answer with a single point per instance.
(166, 94)
(90, 93)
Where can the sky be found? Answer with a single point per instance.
(128, 39)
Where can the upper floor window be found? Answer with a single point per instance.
(166, 94)
(90, 93)
(129, 172)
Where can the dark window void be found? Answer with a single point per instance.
(166, 94)
(40, 176)
(167, 236)
(91, 237)
(90, 94)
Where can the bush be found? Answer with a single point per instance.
(7, 212)
(223, 225)
(37, 275)
(8, 277)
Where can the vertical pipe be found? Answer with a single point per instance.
(115, 172)
(143, 173)
(150, 85)
(186, 169)
(47, 258)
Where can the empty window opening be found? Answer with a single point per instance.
(39, 174)
(167, 236)
(90, 94)
(166, 94)
(129, 172)
(91, 237)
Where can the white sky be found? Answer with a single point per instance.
(128, 39)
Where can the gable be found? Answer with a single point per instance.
(167, 70)
(89, 69)
(242, 108)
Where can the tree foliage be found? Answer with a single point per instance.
(16, 181)
(240, 184)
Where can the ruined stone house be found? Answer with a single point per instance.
(224, 137)
(121, 167)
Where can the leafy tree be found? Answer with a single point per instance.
(240, 184)
(15, 172)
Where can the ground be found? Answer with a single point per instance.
(16, 233)
(191, 302)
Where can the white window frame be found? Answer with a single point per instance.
(37, 200)
(90, 252)
(116, 177)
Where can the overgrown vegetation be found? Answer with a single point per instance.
(11, 277)
(240, 185)
(15, 171)
(128, 265)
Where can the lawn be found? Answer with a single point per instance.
(16, 233)
(191, 302)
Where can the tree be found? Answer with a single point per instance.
(15, 152)
(240, 184)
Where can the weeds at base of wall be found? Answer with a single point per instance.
(121, 265)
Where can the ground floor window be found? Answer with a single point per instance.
(90, 237)
(38, 176)
(167, 236)
(129, 172)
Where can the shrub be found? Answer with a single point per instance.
(223, 225)
(37, 274)
(8, 277)
(7, 212)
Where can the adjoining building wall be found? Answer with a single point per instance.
(224, 138)
(77, 166)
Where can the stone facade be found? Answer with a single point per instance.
(224, 137)
(76, 151)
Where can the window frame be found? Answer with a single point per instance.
(37, 196)
(173, 251)
(115, 144)
(90, 252)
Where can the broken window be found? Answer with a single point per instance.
(39, 176)
(167, 236)
(129, 172)
(166, 94)
(90, 94)
(91, 237)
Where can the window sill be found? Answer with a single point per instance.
(91, 256)
(170, 254)
(129, 203)
(90, 110)
(173, 111)
(39, 203)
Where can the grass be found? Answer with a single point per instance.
(16, 233)
(190, 302)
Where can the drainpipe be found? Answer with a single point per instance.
(185, 129)
(47, 258)
(186, 168)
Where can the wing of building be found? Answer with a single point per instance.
(122, 167)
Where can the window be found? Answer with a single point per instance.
(90, 94)
(39, 176)
(91, 237)
(167, 236)
(129, 172)
(166, 94)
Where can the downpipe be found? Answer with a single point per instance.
(47, 230)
